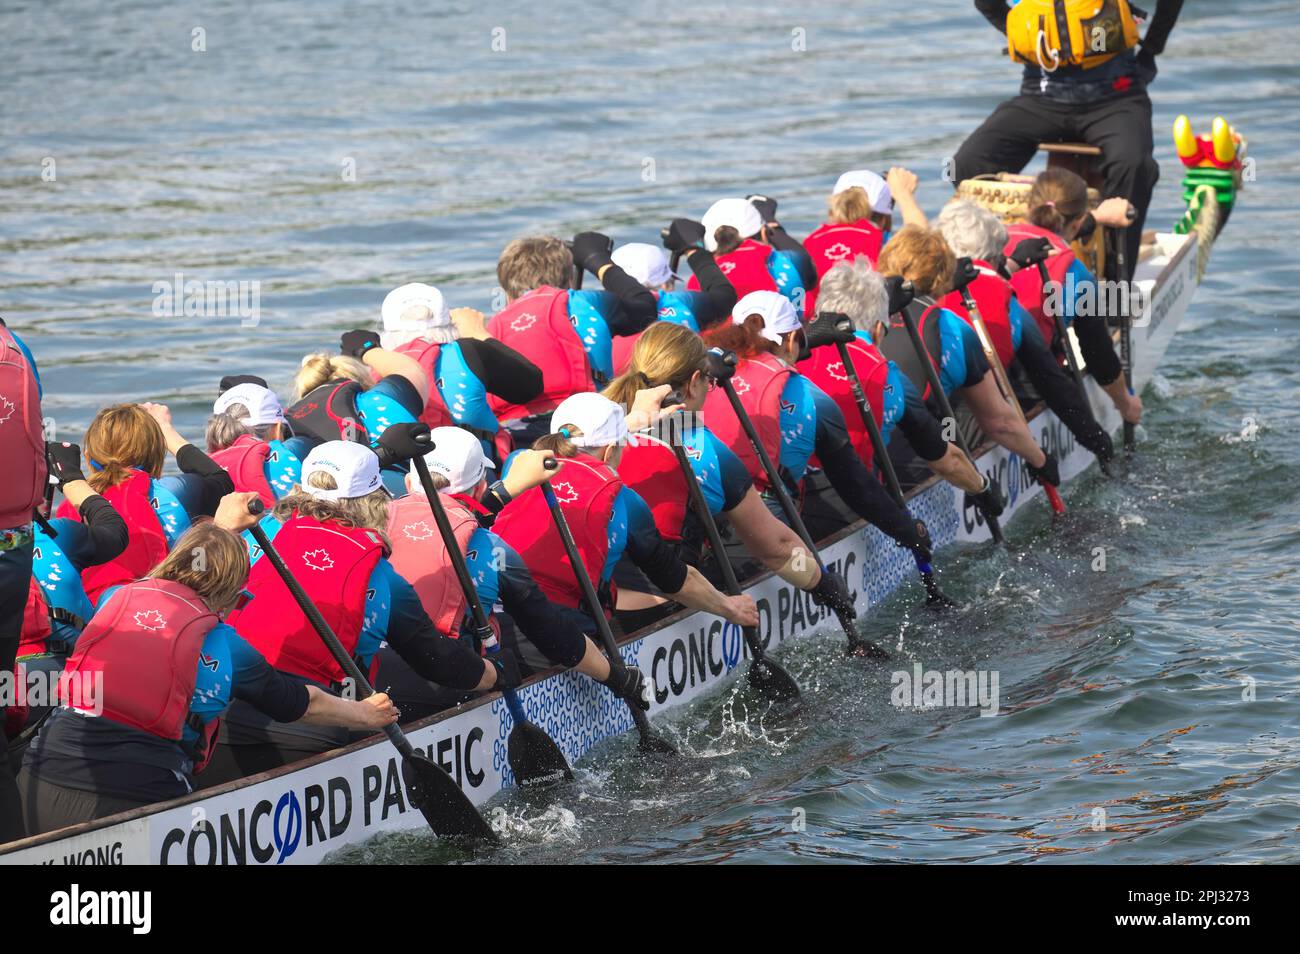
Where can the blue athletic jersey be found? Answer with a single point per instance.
(958, 365)
(587, 310)
(174, 499)
(1017, 317)
(679, 308)
(784, 268)
(721, 476)
(224, 661)
(1079, 281)
(899, 392)
(380, 407)
(283, 468)
(464, 394)
(799, 400)
(56, 567)
(631, 517)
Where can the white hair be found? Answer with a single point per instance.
(857, 290)
(971, 230)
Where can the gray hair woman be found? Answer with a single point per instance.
(972, 230)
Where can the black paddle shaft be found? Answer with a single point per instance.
(936, 387)
(1063, 333)
(856, 640)
(648, 739)
(1125, 337)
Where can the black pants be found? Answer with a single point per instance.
(1121, 127)
(15, 577)
(49, 807)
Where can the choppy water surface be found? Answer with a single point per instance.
(1121, 691)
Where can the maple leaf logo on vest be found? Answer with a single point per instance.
(727, 267)
(318, 559)
(523, 322)
(741, 385)
(6, 409)
(565, 492)
(150, 619)
(836, 371)
(304, 410)
(837, 251)
(417, 531)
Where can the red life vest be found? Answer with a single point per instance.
(585, 489)
(435, 412)
(649, 466)
(37, 630)
(825, 370)
(746, 269)
(146, 640)
(333, 564)
(245, 462)
(1027, 282)
(992, 294)
(758, 382)
(897, 345)
(421, 559)
(146, 546)
(329, 413)
(22, 436)
(831, 244)
(537, 325)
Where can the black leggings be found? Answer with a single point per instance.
(49, 807)
(1121, 127)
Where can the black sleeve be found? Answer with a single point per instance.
(995, 11)
(105, 528)
(1098, 350)
(635, 306)
(503, 370)
(538, 618)
(1057, 387)
(717, 296)
(653, 556)
(281, 696)
(859, 489)
(1161, 24)
(438, 658)
(782, 240)
(216, 482)
(921, 428)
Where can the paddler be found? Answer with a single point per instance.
(754, 250)
(1086, 72)
(150, 678)
(250, 438)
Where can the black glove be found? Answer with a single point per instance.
(989, 500)
(829, 327)
(964, 273)
(831, 591)
(591, 250)
(722, 364)
(766, 207)
(1031, 251)
(1101, 445)
(1049, 473)
(683, 234)
(65, 461)
(507, 675)
(921, 546)
(230, 380)
(629, 682)
(401, 442)
(357, 343)
(900, 292)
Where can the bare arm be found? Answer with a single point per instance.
(385, 363)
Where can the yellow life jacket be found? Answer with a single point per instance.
(1054, 33)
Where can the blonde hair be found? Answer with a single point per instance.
(1057, 198)
(209, 560)
(849, 206)
(120, 438)
(227, 427)
(666, 353)
(922, 257)
(971, 230)
(857, 290)
(534, 261)
(321, 368)
(367, 513)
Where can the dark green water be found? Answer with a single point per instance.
(1121, 690)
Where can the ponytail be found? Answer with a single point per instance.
(559, 443)
(321, 368)
(727, 238)
(665, 353)
(1057, 198)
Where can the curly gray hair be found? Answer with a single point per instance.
(857, 290)
(971, 229)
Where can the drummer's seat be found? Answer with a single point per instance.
(1079, 157)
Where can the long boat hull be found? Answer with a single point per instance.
(302, 812)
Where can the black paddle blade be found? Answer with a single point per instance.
(771, 681)
(535, 758)
(444, 806)
(935, 598)
(864, 649)
(653, 744)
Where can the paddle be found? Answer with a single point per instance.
(965, 273)
(837, 329)
(650, 742)
(764, 673)
(445, 807)
(1126, 333)
(722, 365)
(900, 296)
(534, 756)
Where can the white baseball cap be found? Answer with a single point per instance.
(263, 406)
(458, 456)
(740, 214)
(412, 309)
(601, 421)
(882, 200)
(778, 314)
(646, 263)
(354, 467)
